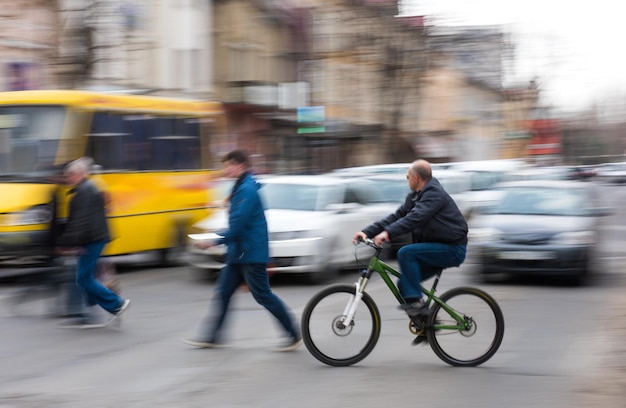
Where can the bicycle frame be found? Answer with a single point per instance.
(386, 272)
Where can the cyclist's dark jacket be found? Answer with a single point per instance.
(430, 215)
(87, 221)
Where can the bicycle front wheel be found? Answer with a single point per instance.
(481, 335)
(333, 341)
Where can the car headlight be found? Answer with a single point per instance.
(575, 238)
(40, 214)
(483, 234)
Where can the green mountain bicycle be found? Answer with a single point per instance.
(341, 323)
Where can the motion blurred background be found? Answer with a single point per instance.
(313, 85)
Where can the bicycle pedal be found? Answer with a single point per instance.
(420, 339)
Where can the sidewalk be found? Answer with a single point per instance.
(607, 389)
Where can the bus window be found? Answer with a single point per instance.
(176, 152)
(105, 142)
(135, 142)
(107, 150)
(176, 145)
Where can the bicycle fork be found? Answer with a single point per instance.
(350, 310)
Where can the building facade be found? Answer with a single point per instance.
(390, 88)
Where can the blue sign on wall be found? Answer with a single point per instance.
(312, 118)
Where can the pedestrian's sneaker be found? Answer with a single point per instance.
(200, 343)
(122, 309)
(83, 322)
(290, 345)
(417, 308)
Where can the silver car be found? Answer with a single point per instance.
(540, 227)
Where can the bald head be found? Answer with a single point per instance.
(422, 169)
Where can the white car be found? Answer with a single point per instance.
(311, 222)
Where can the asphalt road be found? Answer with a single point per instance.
(559, 350)
(553, 343)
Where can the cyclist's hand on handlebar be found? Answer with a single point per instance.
(381, 238)
(359, 237)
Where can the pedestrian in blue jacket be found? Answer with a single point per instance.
(246, 259)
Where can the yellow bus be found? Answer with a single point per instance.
(152, 158)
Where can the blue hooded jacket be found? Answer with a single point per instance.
(246, 236)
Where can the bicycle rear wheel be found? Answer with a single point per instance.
(332, 342)
(476, 344)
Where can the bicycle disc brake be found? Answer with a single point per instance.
(340, 328)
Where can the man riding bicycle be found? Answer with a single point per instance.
(438, 229)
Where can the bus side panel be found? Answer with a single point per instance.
(148, 210)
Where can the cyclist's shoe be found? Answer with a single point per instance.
(417, 308)
(419, 340)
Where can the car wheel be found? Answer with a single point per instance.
(204, 274)
(486, 276)
(173, 255)
(579, 278)
(320, 277)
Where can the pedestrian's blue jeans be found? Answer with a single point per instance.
(422, 261)
(230, 278)
(95, 292)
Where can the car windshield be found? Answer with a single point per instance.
(542, 201)
(301, 197)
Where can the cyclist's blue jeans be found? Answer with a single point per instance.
(422, 261)
(85, 278)
(229, 279)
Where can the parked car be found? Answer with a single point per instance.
(484, 175)
(583, 172)
(311, 222)
(379, 169)
(539, 227)
(543, 173)
(389, 168)
(613, 173)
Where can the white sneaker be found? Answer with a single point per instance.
(119, 313)
(200, 343)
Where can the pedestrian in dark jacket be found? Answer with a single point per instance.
(246, 259)
(439, 233)
(87, 230)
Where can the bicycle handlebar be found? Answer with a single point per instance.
(370, 242)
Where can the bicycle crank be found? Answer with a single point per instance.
(416, 328)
